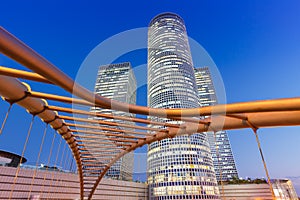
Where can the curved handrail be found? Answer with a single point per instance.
(14, 91)
(20, 52)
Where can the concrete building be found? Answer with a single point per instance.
(283, 190)
(182, 167)
(223, 159)
(44, 184)
(117, 81)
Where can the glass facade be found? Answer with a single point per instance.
(182, 167)
(219, 143)
(117, 81)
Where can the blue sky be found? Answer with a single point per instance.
(255, 45)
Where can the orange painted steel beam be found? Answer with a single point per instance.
(110, 116)
(98, 155)
(106, 129)
(105, 134)
(122, 140)
(92, 142)
(193, 120)
(60, 98)
(190, 119)
(83, 145)
(94, 157)
(95, 149)
(97, 145)
(22, 74)
(235, 110)
(98, 151)
(104, 159)
(20, 52)
(91, 159)
(108, 123)
(286, 104)
(259, 120)
(88, 136)
(96, 162)
(238, 116)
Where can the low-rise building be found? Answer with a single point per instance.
(258, 190)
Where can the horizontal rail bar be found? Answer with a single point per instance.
(109, 123)
(106, 134)
(23, 74)
(110, 116)
(105, 129)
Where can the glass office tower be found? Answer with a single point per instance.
(117, 81)
(182, 167)
(219, 143)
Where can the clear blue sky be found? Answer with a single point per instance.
(255, 44)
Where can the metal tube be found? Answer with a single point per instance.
(23, 74)
(105, 134)
(20, 52)
(105, 129)
(110, 116)
(110, 123)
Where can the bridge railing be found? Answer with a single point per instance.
(98, 140)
